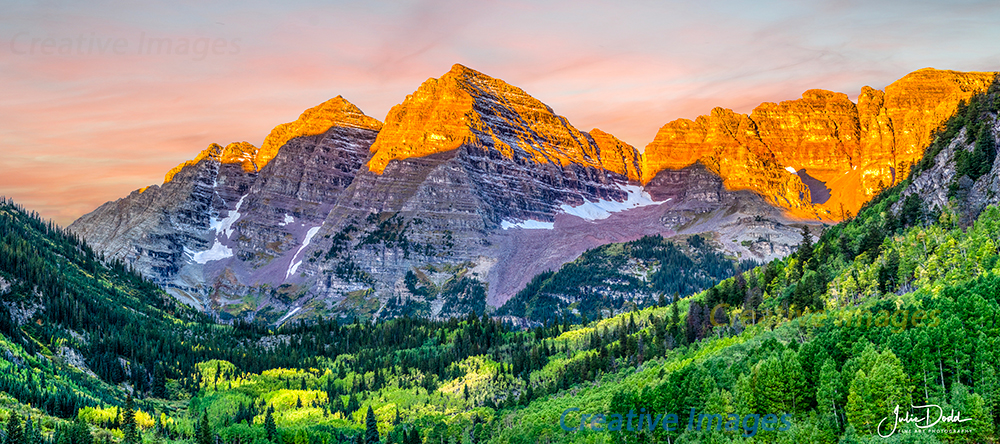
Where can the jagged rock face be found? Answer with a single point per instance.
(460, 160)
(296, 189)
(820, 156)
(231, 221)
(466, 107)
(154, 228)
(968, 198)
(742, 222)
(618, 156)
(472, 187)
(241, 153)
(336, 112)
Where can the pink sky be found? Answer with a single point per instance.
(90, 111)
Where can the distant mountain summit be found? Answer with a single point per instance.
(471, 187)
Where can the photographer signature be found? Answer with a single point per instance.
(922, 422)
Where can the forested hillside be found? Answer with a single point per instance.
(613, 278)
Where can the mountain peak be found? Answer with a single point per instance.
(237, 152)
(316, 120)
(459, 69)
(467, 107)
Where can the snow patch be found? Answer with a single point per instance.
(288, 220)
(305, 243)
(791, 170)
(288, 315)
(603, 209)
(217, 252)
(226, 224)
(528, 225)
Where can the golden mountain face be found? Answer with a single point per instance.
(618, 156)
(467, 107)
(242, 153)
(316, 120)
(819, 157)
(848, 151)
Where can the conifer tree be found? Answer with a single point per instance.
(32, 434)
(371, 428)
(270, 429)
(204, 435)
(352, 404)
(805, 254)
(159, 382)
(130, 431)
(14, 433)
(79, 433)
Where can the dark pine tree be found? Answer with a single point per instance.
(270, 429)
(204, 435)
(805, 253)
(14, 433)
(130, 431)
(159, 382)
(32, 435)
(413, 437)
(371, 428)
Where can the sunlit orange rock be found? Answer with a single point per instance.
(242, 153)
(465, 106)
(618, 156)
(316, 120)
(821, 156)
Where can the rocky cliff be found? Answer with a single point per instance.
(224, 224)
(821, 156)
(462, 164)
(960, 171)
(471, 187)
(466, 107)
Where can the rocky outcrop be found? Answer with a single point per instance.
(618, 156)
(821, 156)
(944, 185)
